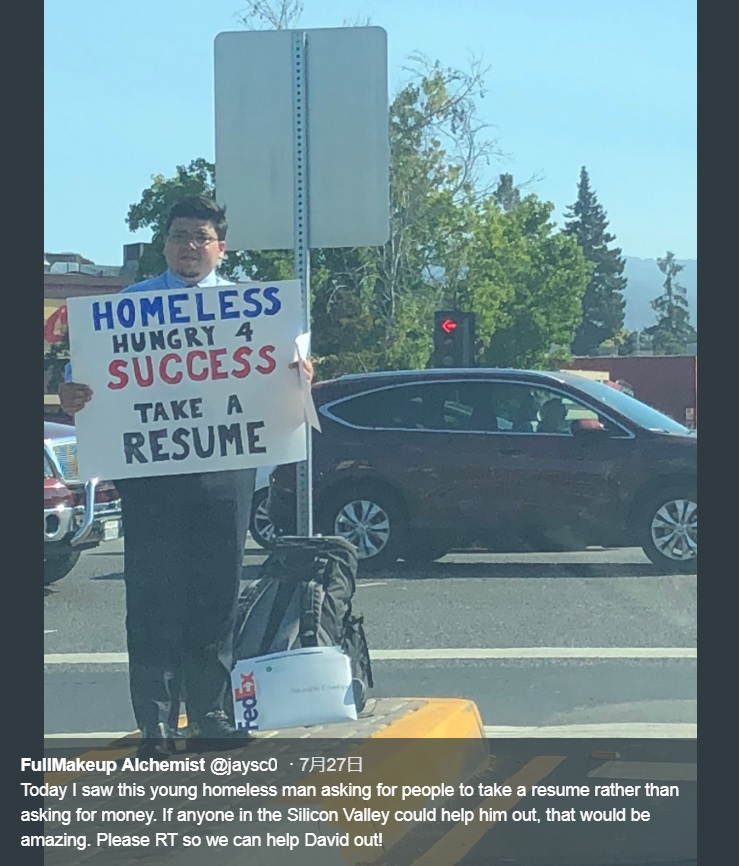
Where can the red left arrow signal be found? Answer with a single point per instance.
(448, 325)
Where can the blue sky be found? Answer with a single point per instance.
(611, 86)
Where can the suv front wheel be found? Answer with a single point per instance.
(668, 527)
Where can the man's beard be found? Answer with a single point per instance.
(188, 271)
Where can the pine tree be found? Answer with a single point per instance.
(603, 303)
(673, 331)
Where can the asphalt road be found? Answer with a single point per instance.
(593, 643)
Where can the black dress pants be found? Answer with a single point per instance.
(184, 538)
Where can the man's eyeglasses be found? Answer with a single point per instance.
(201, 240)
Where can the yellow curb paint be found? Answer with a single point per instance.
(460, 840)
(438, 718)
(440, 743)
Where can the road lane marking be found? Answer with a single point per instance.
(459, 841)
(445, 653)
(114, 736)
(647, 771)
(108, 736)
(604, 730)
(537, 653)
(86, 659)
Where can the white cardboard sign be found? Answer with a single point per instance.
(311, 686)
(190, 380)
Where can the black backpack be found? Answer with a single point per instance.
(302, 597)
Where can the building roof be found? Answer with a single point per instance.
(76, 284)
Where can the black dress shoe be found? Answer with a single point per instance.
(215, 730)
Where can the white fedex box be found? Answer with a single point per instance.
(311, 686)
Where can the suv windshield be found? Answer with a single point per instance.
(641, 414)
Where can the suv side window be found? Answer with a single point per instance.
(513, 404)
(535, 409)
(443, 406)
(466, 406)
(399, 407)
(373, 409)
(454, 406)
(469, 406)
(558, 411)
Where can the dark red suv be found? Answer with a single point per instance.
(412, 464)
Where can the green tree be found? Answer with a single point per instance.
(525, 284)
(635, 343)
(618, 344)
(673, 331)
(603, 303)
(506, 195)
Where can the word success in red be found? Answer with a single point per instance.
(194, 366)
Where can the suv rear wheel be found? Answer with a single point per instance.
(260, 526)
(371, 518)
(668, 527)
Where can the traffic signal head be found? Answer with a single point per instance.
(454, 338)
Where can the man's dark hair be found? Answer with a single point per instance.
(202, 208)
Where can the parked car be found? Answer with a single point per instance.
(415, 463)
(78, 515)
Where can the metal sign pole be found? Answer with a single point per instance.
(304, 487)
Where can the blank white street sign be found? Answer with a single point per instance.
(348, 141)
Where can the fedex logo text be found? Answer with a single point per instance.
(246, 694)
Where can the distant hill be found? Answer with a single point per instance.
(645, 283)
